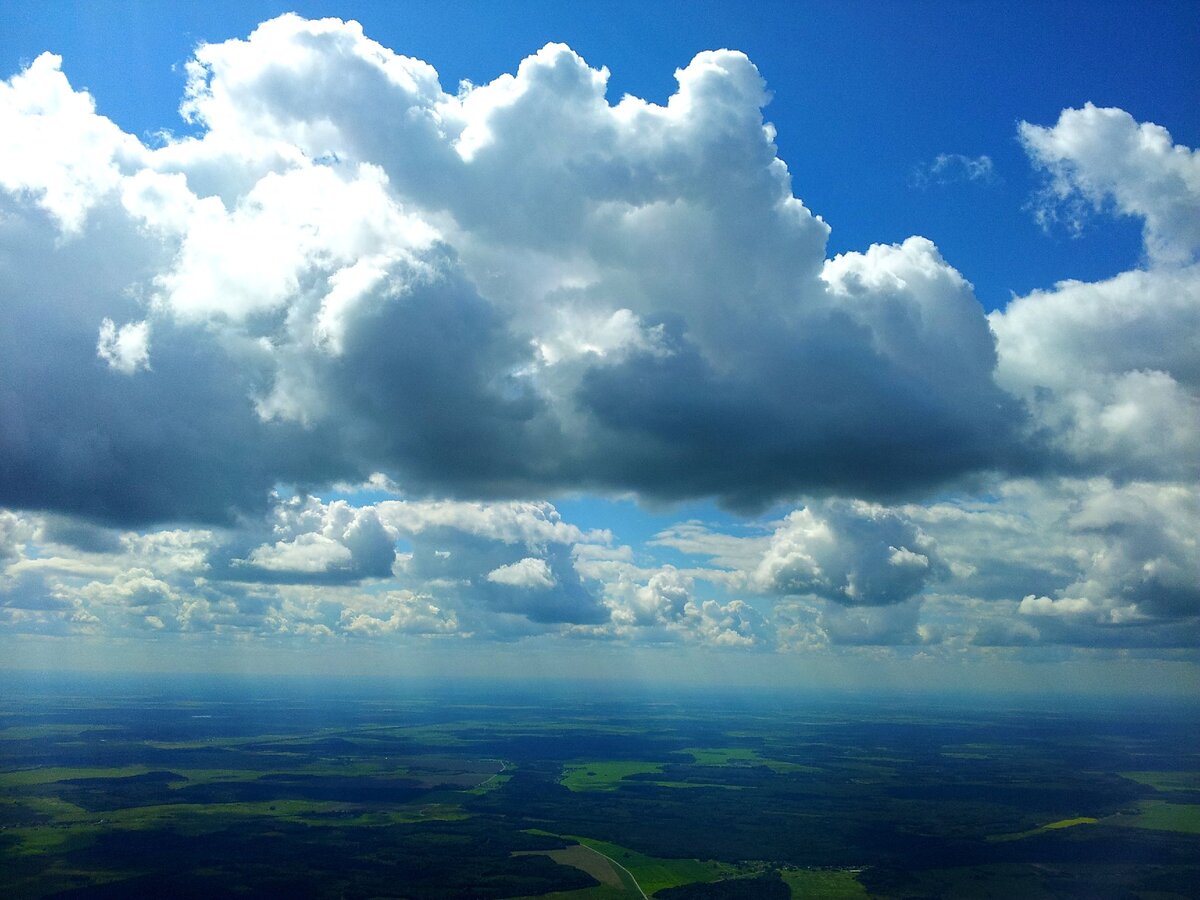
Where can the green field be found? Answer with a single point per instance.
(28, 777)
(654, 873)
(824, 884)
(1041, 829)
(1166, 781)
(598, 775)
(1161, 816)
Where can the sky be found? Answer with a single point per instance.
(828, 345)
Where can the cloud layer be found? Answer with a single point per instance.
(521, 289)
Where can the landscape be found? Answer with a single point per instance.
(546, 450)
(117, 787)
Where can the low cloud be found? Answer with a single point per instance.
(529, 573)
(854, 554)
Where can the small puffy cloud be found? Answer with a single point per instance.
(532, 523)
(666, 609)
(1095, 156)
(15, 531)
(873, 626)
(307, 553)
(852, 553)
(1146, 562)
(336, 541)
(530, 572)
(1110, 371)
(125, 349)
(398, 612)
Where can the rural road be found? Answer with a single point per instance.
(621, 867)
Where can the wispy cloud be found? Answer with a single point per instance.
(952, 168)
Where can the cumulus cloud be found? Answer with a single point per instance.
(1111, 370)
(529, 572)
(517, 288)
(332, 542)
(71, 156)
(125, 349)
(1146, 561)
(1096, 156)
(855, 554)
(398, 612)
(666, 609)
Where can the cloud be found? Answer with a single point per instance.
(72, 156)
(517, 289)
(1096, 156)
(459, 302)
(1110, 370)
(530, 572)
(125, 349)
(665, 609)
(1075, 562)
(331, 543)
(854, 554)
(398, 612)
(948, 168)
(1148, 565)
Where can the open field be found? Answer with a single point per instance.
(1166, 781)
(653, 874)
(603, 776)
(825, 884)
(1162, 816)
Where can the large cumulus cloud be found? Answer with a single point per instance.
(514, 289)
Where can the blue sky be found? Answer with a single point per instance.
(356, 364)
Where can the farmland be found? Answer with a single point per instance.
(475, 792)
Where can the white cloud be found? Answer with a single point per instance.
(309, 552)
(1095, 155)
(855, 554)
(1111, 370)
(513, 289)
(947, 168)
(530, 573)
(398, 612)
(71, 157)
(125, 349)
(666, 609)
(1145, 559)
